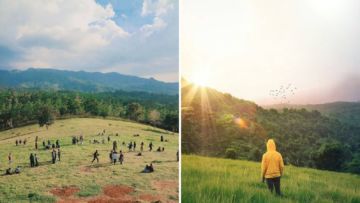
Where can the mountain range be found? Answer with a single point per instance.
(348, 112)
(82, 81)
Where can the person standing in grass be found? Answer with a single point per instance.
(150, 146)
(10, 158)
(58, 153)
(32, 162)
(53, 156)
(114, 157)
(142, 146)
(96, 157)
(114, 145)
(121, 157)
(272, 167)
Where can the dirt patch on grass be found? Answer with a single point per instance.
(64, 192)
(167, 185)
(85, 169)
(117, 191)
(105, 199)
(118, 194)
(151, 198)
(167, 189)
(70, 201)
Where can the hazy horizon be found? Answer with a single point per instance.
(251, 49)
(94, 71)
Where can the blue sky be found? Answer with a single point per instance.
(135, 37)
(128, 13)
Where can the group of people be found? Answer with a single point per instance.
(56, 153)
(114, 156)
(148, 169)
(76, 140)
(19, 142)
(49, 145)
(33, 160)
(160, 149)
(9, 171)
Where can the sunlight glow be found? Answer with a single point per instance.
(241, 122)
(200, 78)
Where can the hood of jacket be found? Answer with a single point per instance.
(270, 145)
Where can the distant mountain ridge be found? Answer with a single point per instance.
(348, 112)
(82, 81)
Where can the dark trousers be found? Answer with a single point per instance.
(274, 183)
(95, 158)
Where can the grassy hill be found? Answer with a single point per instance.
(223, 180)
(74, 178)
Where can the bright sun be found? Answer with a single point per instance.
(199, 79)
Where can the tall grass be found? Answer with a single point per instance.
(221, 180)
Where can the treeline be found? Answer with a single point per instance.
(225, 126)
(20, 107)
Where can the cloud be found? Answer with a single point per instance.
(149, 29)
(85, 35)
(158, 8)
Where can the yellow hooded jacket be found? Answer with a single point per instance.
(272, 164)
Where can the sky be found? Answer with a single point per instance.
(251, 47)
(134, 37)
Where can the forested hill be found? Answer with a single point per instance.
(348, 112)
(21, 107)
(218, 124)
(82, 81)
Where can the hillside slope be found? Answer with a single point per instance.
(75, 178)
(218, 124)
(82, 81)
(348, 112)
(223, 180)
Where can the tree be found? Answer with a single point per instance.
(45, 116)
(171, 122)
(92, 106)
(354, 165)
(134, 111)
(331, 156)
(154, 117)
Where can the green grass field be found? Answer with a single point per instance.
(222, 180)
(89, 181)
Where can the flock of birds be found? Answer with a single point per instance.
(284, 93)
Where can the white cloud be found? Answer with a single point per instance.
(46, 31)
(83, 35)
(157, 24)
(158, 8)
(77, 24)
